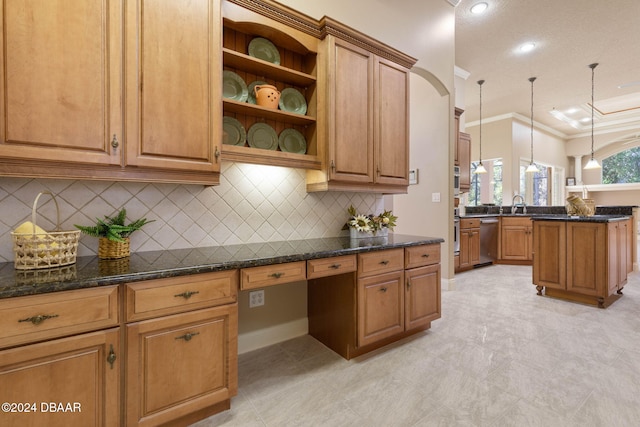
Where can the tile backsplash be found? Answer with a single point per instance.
(252, 204)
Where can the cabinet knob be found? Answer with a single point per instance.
(187, 294)
(188, 336)
(408, 283)
(36, 320)
(111, 358)
(335, 266)
(383, 289)
(217, 154)
(333, 165)
(114, 141)
(425, 255)
(277, 275)
(384, 262)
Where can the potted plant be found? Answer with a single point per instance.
(113, 234)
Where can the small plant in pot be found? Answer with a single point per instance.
(113, 234)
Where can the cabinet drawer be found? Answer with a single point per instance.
(269, 275)
(380, 262)
(331, 266)
(417, 256)
(42, 317)
(160, 297)
(469, 223)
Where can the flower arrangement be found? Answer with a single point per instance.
(370, 223)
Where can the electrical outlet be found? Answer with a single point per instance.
(256, 298)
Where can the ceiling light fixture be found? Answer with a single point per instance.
(479, 8)
(532, 166)
(593, 163)
(480, 168)
(527, 47)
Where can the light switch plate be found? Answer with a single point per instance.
(413, 176)
(435, 197)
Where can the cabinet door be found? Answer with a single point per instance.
(587, 258)
(515, 243)
(464, 157)
(350, 121)
(74, 372)
(380, 307)
(474, 246)
(422, 296)
(173, 88)
(465, 248)
(60, 81)
(391, 135)
(180, 364)
(549, 258)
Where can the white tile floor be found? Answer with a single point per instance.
(499, 356)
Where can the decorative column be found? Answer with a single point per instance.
(578, 169)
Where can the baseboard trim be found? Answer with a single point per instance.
(260, 338)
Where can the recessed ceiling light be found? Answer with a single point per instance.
(571, 110)
(626, 85)
(527, 47)
(479, 8)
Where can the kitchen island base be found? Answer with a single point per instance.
(601, 302)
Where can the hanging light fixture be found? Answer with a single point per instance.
(593, 163)
(480, 168)
(532, 166)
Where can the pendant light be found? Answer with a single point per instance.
(532, 166)
(593, 163)
(480, 168)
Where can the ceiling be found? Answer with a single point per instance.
(569, 35)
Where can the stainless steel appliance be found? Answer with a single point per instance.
(456, 181)
(488, 240)
(456, 235)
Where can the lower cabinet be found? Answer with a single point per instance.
(581, 261)
(469, 243)
(516, 240)
(182, 353)
(394, 293)
(178, 365)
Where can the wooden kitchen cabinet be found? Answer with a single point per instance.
(363, 115)
(464, 157)
(516, 241)
(581, 261)
(61, 347)
(291, 33)
(181, 364)
(393, 294)
(75, 109)
(456, 153)
(469, 243)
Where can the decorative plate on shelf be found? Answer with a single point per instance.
(251, 99)
(292, 141)
(292, 101)
(262, 48)
(233, 87)
(233, 131)
(261, 135)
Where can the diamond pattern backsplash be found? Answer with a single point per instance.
(252, 204)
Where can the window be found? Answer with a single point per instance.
(623, 167)
(536, 188)
(486, 188)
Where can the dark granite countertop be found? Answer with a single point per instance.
(89, 272)
(594, 218)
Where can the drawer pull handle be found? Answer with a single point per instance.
(188, 336)
(277, 275)
(111, 358)
(384, 262)
(425, 255)
(384, 289)
(36, 320)
(187, 294)
(335, 266)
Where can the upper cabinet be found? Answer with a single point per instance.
(70, 82)
(285, 56)
(363, 114)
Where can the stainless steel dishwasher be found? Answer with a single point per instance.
(488, 241)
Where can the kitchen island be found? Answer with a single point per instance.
(582, 259)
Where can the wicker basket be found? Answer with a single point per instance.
(109, 249)
(45, 250)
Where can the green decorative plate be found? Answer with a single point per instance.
(233, 87)
(292, 141)
(263, 49)
(251, 99)
(233, 131)
(261, 135)
(292, 101)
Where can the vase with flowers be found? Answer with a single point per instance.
(363, 226)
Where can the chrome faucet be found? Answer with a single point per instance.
(514, 206)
